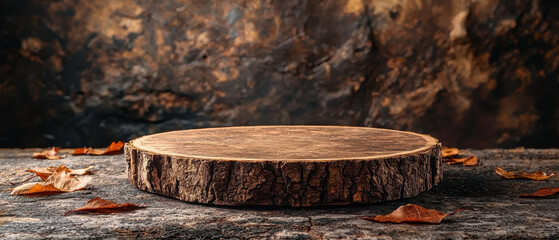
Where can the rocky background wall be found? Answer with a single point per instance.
(471, 73)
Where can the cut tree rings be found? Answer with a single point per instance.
(285, 165)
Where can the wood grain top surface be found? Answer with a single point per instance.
(285, 142)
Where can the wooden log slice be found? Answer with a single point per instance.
(285, 165)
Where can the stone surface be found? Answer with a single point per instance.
(498, 214)
(285, 165)
(471, 73)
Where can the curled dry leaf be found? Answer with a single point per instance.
(114, 148)
(542, 193)
(467, 161)
(450, 157)
(449, 152)
(51, 154)
(23, 181)
(538, 176)
(411, 213)
(58, 182)
(46, 172)
(102, 206)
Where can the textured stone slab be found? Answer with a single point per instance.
(498, 214)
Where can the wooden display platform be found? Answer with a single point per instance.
(285, 165)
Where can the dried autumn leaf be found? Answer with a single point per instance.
(538, 176)
(46, 172)
(81, 151)
(42, 190)
(542, 193)
(23, 181)
(411, 213)
(58, 182)
(467, 161)
(449, 152)
(114, 148)
(51, 154)
(21, 189)
(81, 171)
(102, 206)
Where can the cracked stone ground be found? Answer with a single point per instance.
(498, 212)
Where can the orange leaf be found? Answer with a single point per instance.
(80, 151)
(542, 193)
(411, 213)
(114, 148)
(51, 154)
(58, 182)
(45, 172)
(102, 206)
(449, 152)
(467, 161)
(24, 181)
(538, 176)
(42, 190)
(22, 189)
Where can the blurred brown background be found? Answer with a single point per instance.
(472, 73)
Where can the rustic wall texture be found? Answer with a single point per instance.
(471, 73)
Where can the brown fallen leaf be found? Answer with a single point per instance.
(51, 154)
(467, 161)
(538, 176)
(411, 213)
(81, 151)
(58, 182)
(23, 181)
(102, 206)
(449, 152)
(114, 148)
(542, 193)
(45, 172)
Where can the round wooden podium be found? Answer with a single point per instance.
(285, 165)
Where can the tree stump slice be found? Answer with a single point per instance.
(285, 165)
